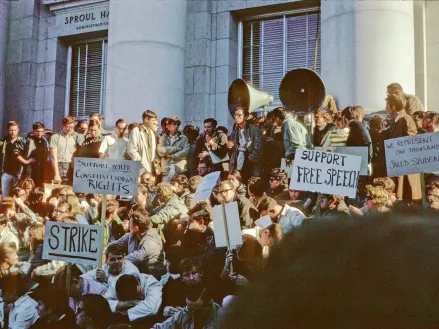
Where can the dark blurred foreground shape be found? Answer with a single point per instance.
(374, 272)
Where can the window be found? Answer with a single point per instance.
(88, 69)
(275, 45)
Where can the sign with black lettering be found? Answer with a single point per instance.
(412, 154)
(74, 243)
(103, 176)
(326, 172)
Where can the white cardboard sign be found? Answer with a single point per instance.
(264, 222)
(362, 151)
(326, 172)
(205, 186)
(74, 243)
(104, 176)
(233, 225)
(412, 154)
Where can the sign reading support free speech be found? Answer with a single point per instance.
(103, 176)
(74, 243)
(412, 154)
(326, 172)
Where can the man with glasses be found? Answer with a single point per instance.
(247, 211)
(205, 166)
(33, 153)
(11, 167)
(114, 146)
(62, 147)
(247, 146)
(142, 143)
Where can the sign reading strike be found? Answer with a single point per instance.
(205, 187)
(73, 243)
(326, 172)
(412, 154)
(116, 177)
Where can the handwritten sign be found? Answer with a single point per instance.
(412, 154)
(115, 177)
(205, 187)
(362, 151)
(231, 227)
(326, 172)
(74, 243)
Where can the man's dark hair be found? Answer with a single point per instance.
(126, 287)
(180, 179)
(280, 113)
(175, 120)
(13, 123)
(37, 125)
(245, 111)
(141, 219)
(431, 115)
(68, 120)
(201, 210)
(120, 121)
(164, 121)
(149, 115)
(418, 114)
(188, 264)
(16, 191)
(267, 204)
(396, 100)
(115, 249)
(256, 186)
(237, 175)
(349, 113)
(191, 132)
(212, 121)
(98, 308)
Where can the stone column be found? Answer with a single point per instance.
(4, 22)
(367, 45)
(146, 59)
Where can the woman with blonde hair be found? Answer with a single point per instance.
(376, 201)
(77, 211)
(28, 185)
(35, 241)
(8, 258)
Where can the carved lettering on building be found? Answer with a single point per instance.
(85, 17)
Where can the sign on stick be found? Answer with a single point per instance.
(412, 154)
(103, 176)
(362, 151)
(73, 243)
(205, 186)
(326, 172)
(227, 225)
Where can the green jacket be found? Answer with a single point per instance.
(295, 137)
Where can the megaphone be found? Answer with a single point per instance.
(302, 91)
(242, 94)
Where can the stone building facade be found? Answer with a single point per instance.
(179, 57)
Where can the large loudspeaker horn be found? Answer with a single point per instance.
(242, 94)
(302, 91)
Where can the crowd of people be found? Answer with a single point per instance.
(162, 268)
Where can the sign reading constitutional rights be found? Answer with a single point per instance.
(326, 172)
(103, 176)
(412, 154)
(74, 243)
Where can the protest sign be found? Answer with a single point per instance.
(362, 151)
(103, 176)
(412, 154)
(227, 225)
(205, 187)
(326, 172)
(73, 243)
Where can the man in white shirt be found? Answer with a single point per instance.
(138, 296)
(286, 216)
(116, 267)
(114, 146)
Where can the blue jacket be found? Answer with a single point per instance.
(295, 136)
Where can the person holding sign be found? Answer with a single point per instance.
(247, 211)
(408, 187)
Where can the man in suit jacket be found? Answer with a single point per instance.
(409, 186)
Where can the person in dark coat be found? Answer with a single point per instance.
(408, 187)
(358, 134)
